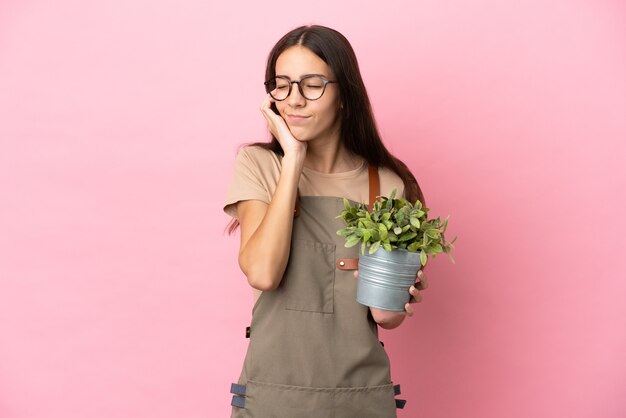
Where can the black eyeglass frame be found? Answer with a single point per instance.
(324, 80)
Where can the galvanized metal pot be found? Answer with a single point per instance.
(385, 278)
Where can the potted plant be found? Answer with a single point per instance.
(407, 237)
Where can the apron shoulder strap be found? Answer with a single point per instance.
(374, 181)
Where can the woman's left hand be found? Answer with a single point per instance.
(389, 319)
(421, 283)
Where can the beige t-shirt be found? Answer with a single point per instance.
(257, 171)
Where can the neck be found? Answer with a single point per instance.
(330, 157)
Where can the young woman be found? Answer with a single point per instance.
(314, 351)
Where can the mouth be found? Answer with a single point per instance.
(296, 119)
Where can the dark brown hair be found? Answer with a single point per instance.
(359, 133)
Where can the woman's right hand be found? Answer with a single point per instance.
(278, 127)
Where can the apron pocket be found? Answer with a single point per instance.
(270, 400)
(309, 281)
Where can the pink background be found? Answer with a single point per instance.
(120, 295)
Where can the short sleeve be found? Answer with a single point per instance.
(248, 181)
(389, 181)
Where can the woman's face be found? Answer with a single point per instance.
(308, 119)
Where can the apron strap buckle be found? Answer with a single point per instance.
(239, 400)
(400, 403)
(348, 263)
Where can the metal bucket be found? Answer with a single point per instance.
(385, 278)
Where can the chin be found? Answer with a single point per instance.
(299, 134)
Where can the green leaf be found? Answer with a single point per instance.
(408, 236)
(352, 241)
(423, 258)
(419, 213)
(445, 224)
(397, 230)
(414, 221)
(435, 249)
(344, 232)
(387, 246)
(401, 203)
(366, 236)
(372, 225)
(374, 247)
(383, 231)
(413, 247)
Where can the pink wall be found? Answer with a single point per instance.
(121, 297)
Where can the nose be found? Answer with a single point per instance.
(295, 98)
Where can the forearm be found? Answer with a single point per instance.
(264, 257)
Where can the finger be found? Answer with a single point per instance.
(422, 280)
(267, 102)
(421, 285)
(274, 122)
(266, 108)
(408, 309)
(416, 297)
(356, 274)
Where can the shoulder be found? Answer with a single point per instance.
(389, 180)
(258, 162)
(257, 155)
(256, 175)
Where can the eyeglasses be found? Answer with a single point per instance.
(311, 87)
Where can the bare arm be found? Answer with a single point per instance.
(266, 229)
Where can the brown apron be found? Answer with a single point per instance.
(314, 351)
